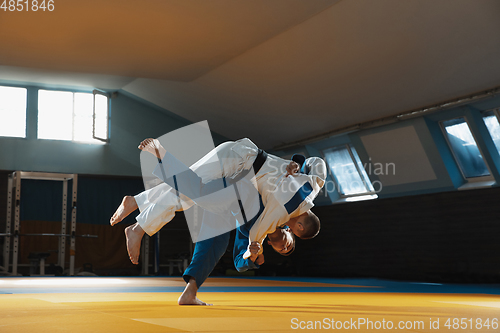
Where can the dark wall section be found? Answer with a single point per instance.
(444, 237)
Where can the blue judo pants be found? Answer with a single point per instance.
(208, 252)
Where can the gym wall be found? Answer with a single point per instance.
(440, 237)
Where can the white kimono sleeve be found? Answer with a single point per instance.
(293, 197)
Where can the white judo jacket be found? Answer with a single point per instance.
(285, 197)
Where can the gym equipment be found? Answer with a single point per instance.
(12, 233)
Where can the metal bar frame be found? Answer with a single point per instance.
(14, 191)
(72, 248)
(62, 240)
(17, 203)
(8, 223)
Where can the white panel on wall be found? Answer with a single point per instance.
(397, 157)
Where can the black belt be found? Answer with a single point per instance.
(257, 164)
(259, 161)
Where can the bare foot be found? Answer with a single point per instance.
(127, 206)
(191, 301)
(152, 146)
(188, 296)
(134, 234)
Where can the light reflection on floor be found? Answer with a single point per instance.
(243, 305)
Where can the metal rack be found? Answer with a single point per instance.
(12, 234)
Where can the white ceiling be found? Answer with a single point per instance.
(272, 70)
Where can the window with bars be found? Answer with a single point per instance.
(348, 171)
(490, 118)
(64, 115)
(465, 149)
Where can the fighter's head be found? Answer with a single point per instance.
(282, 241)
(305, 226)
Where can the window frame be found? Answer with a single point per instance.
(496, 112)
(94, 93)
(98, 140)
(348, 146)
(489, 177)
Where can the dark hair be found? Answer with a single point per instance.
(311, 226)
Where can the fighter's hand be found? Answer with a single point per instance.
(254, 247)
(260, 259)
(292, 168)
(254, 250)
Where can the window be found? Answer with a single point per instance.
(100, 116)
(13, 112)
(465, 149)
(66, 115)
(348, 171)
(491, 120)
